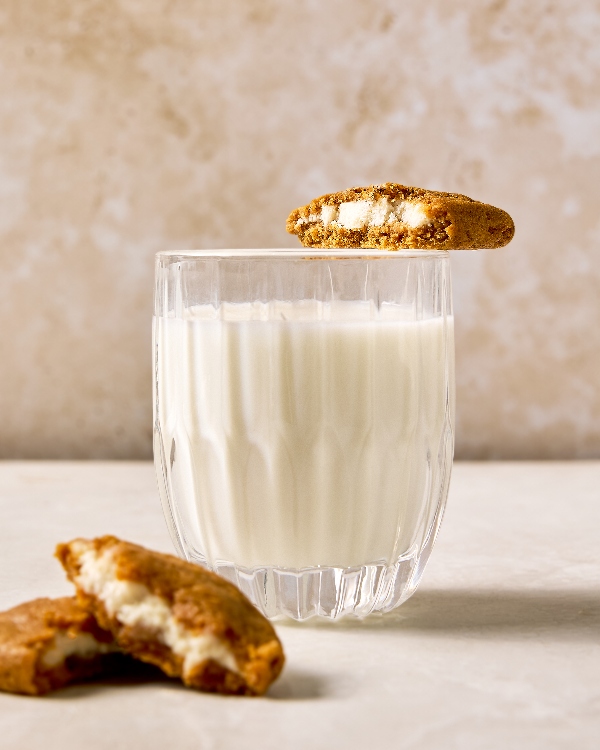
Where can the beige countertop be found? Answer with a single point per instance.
(499, 648)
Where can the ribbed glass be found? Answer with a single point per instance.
(303, 420)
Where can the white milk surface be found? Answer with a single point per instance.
(294, 442)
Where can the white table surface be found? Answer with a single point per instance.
(499, 648)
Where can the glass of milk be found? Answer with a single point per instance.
(303, 420)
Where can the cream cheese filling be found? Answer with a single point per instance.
(371, 213)
(64, 645)
(132, 603)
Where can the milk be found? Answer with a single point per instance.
(306, 434)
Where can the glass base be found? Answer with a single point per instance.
(326, 592)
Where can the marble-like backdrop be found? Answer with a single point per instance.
(128, 126)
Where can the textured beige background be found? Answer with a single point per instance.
(128, 126)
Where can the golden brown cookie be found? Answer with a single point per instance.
(396, 217)
(190, 622)
(48, 643)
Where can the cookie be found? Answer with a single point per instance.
(46, 644)
(190, 622)
(396, 217)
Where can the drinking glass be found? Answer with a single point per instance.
(303, 420)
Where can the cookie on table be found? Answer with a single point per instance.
(190, 622)
(46, 644)
(396, 217)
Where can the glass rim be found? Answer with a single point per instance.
(302, 253)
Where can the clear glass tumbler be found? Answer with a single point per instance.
(303, 420)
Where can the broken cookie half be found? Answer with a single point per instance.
(46, 644)
(184, 619)
(396, 217)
